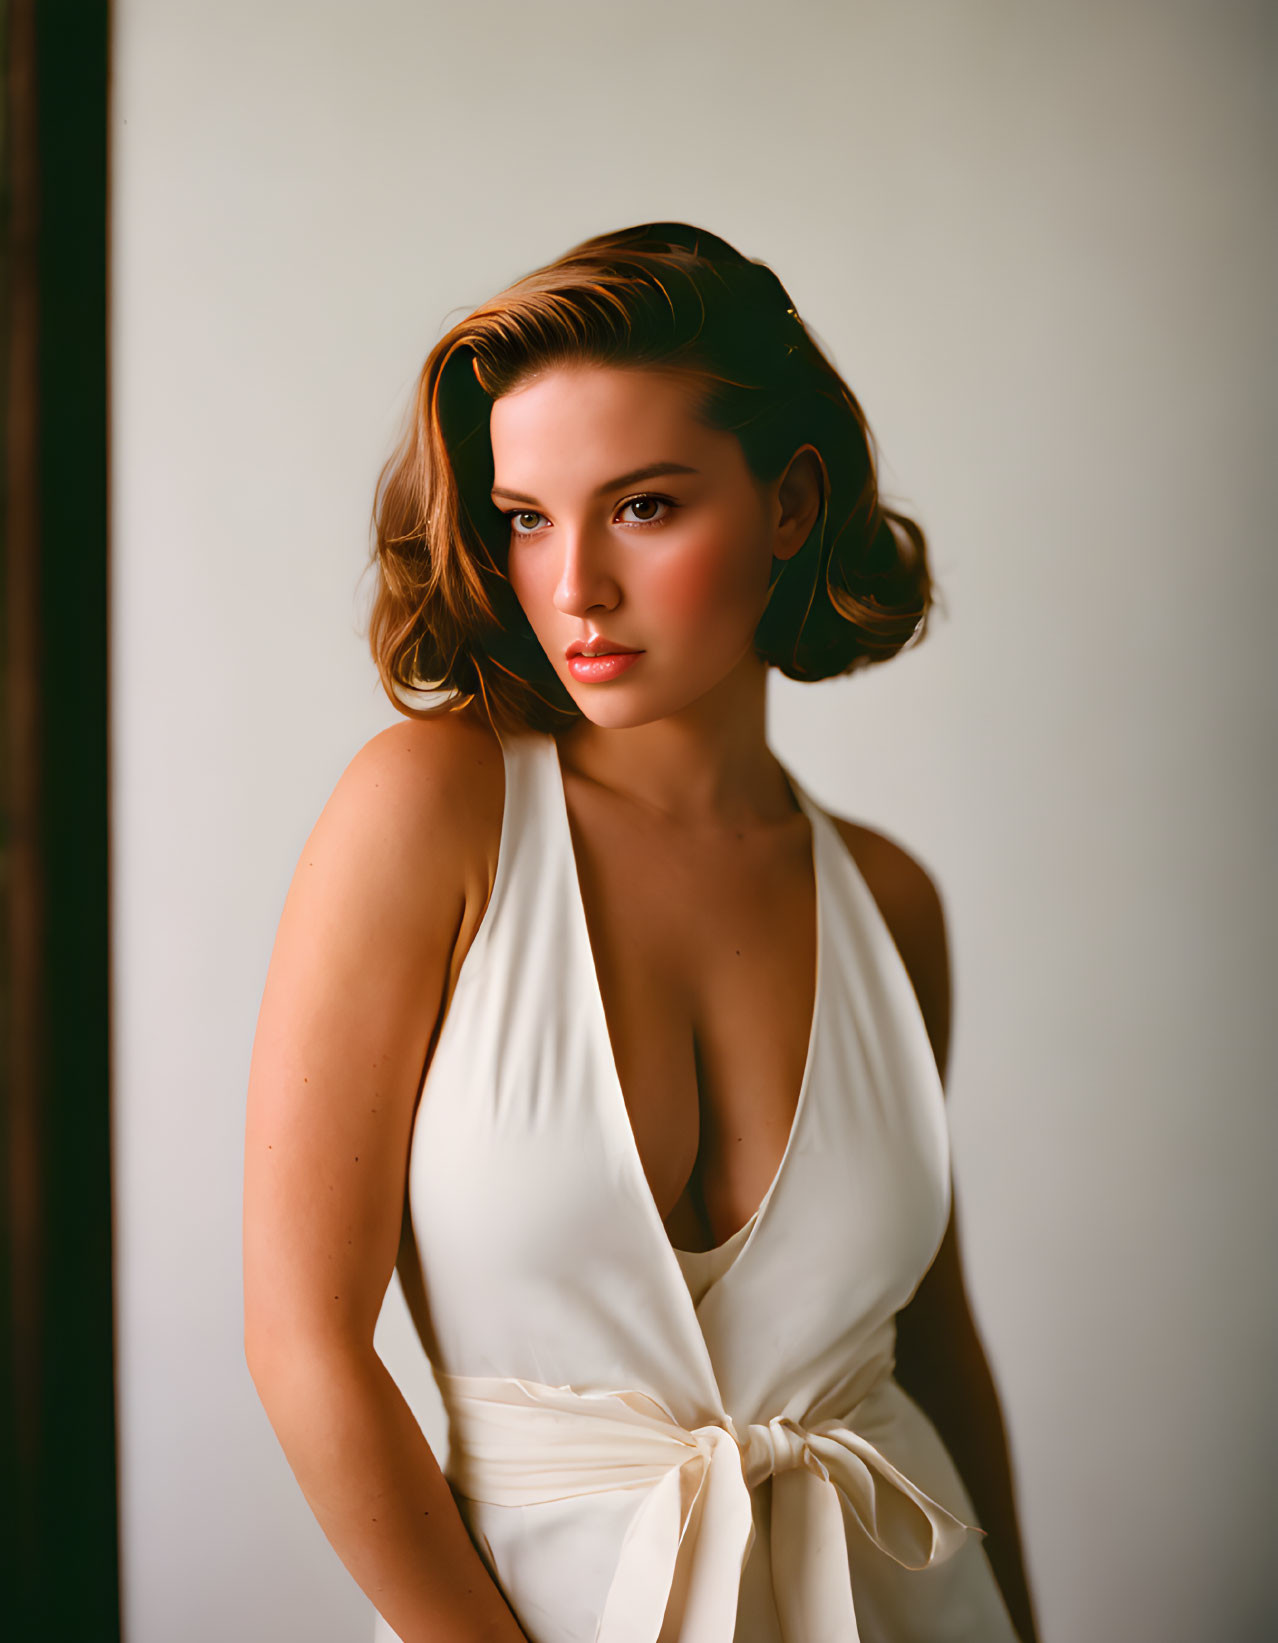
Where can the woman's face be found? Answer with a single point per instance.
(634, 527)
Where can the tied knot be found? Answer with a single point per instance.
(780, 1446)
(678, 1572)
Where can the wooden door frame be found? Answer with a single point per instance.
(57, 1271)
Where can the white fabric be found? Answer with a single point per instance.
(694, 1528)
(703, 1267)
(654, 1446)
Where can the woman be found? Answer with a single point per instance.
(584, 1012)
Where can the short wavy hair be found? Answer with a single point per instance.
(444, 618)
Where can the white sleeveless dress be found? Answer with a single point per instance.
(656, 1446)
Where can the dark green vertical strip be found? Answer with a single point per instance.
(58, 1134)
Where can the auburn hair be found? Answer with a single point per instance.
(444, 618)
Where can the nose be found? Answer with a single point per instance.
(587, 579)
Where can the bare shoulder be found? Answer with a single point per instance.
(388, 887)
(443, 771)
(910, 902)
(420, 800)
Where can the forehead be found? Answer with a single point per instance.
(589, 410)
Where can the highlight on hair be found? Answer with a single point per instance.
(444, 618)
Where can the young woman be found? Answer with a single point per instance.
(584, 1012)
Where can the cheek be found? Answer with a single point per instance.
(717, 579)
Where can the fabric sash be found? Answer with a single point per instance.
(520, 1443)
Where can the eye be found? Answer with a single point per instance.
(646, 500)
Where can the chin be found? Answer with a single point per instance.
(612, 709)
(609, 712)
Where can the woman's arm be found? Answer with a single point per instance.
(940, 1361)
(356, 981)
(942, 1365)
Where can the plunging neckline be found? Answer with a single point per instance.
(617, 1103)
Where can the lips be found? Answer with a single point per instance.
(597, 647)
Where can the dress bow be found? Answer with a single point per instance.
(678, 1574)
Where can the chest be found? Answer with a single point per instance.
(704, 952)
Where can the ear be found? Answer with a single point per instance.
(799, 494)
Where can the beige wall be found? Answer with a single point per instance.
(1037, 239)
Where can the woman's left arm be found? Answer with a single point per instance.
(940, 1360)
(941, 1363)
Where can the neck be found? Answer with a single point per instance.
(707, 766)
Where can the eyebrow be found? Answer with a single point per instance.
(650, 472)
